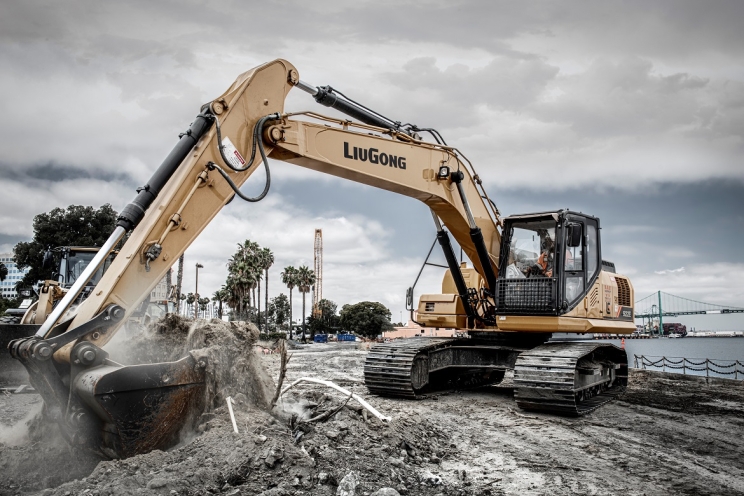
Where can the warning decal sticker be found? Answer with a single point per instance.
(232, 154)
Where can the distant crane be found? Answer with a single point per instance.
(318, 269)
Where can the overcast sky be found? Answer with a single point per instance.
(633, 112)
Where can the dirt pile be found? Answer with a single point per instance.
(282, 456)
(43, 459)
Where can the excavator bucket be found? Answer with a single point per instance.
(140, 408)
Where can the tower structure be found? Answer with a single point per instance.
(318, 269)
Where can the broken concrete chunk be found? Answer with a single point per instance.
(347, 486)
(332, 434)
(157, 483)
(429, 478)
(386, 491)
(273, 456)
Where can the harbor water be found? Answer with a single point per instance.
(720, 350)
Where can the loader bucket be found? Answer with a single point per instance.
(142, 407)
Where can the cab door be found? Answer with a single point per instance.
(580, 262)
(572, 258)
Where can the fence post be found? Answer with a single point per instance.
(684, 369)
(635, 361)
(663, 364)
(707, 370)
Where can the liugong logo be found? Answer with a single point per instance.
(374, 156)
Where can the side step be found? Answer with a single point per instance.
(569, 378)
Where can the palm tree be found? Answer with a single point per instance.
(243, 276)
(190, 299)
(203, 302)
(220, 296)
(289, 278)
(305, 281)
(268, 259)
(179, 280)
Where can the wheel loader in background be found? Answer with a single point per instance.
(65, 264)
(531, 275)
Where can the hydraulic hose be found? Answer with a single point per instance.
(257, 138)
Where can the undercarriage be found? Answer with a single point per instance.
(561, 378)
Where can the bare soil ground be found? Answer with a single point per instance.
(667, 435)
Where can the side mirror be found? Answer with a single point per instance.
(47, 263)
(573, 235)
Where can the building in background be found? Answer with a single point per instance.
(14, 275)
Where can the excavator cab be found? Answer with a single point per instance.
(549, 260)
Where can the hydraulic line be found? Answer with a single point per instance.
(257, 139)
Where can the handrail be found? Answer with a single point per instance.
(682, 363)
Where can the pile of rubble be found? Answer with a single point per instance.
(311, 442)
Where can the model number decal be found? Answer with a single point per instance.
(374, 156)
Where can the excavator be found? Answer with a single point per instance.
(532, 275)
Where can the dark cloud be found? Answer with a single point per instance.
(51, 172)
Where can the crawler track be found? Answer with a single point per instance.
(562, 378)
(412, 368)
(569, 378)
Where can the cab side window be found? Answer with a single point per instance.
(592, 253)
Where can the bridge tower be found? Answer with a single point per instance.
(318, 269)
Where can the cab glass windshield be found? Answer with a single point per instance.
(531, 249)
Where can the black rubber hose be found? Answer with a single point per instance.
(213, 166)
(257, 138)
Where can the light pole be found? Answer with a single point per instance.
(196, 291)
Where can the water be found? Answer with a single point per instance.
(721, 350)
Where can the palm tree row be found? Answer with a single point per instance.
(303, 279)
(242, 290)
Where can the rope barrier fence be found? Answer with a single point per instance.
(719, 367)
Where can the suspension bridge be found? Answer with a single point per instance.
(660, 304)
(669, 305)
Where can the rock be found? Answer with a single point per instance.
(347, 486)
(157, 483)
(395, 462)
(402, 489)
(322, 477)
(332, 434)
(260, 439)
(430, 478)
(273, 456)
(385, 491)
(435, 460)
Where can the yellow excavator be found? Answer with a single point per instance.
(531, 275)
